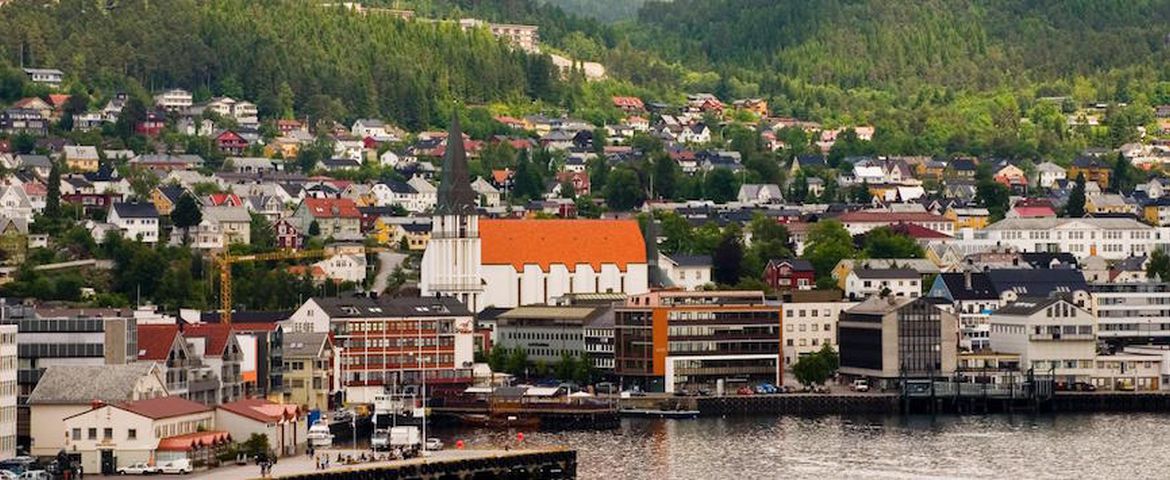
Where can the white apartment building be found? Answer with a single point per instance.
(808, 326)
(1136, 313)
(174, 100)
(1050, 335)
(1108, 238)
(689, 272)
(897, 282)
(136, 221)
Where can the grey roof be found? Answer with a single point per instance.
(691, 260)
(882, 273)
(380, 307)
(186, 159)
(798, 264)
(35, 161)
(227, 214)
(303, 344)
(1027, 305)
(83, 384)
(875, 305)
(136, 210)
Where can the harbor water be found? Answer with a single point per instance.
(1130, 446)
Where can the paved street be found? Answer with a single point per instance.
(387, 262)
(304, 463)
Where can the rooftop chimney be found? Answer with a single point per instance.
(967, 279)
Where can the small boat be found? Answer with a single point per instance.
(319, 435)
(656, 413)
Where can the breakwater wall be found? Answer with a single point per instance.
(797, 404)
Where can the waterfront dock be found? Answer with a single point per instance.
(545, 463)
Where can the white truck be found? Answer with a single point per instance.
(406, 439)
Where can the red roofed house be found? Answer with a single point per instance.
(285, 425)
(164, 345)
(1032, 208)
(629, 104)
(335, 217)
(222, 356)
(155, 430)
(861, 222)
(579, 180)
(224, 200)
(231, 143)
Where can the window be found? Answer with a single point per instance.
(132, 434)
(77, 432)
(92, 434)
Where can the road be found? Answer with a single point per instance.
(387, 262)
(299, 464)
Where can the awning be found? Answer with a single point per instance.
(193, 441)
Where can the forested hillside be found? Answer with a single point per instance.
(603, 10)
(959, 43)
(324, 62)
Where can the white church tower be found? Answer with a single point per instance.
(451, 262)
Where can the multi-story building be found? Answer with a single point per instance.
(689, 272)
(861, 222)
(1132, 313)
(65, 337)
(110, 436)
(1051, 335)
(135, 221)
(392, 341)
(1108, 238)
(809, 326)
(973, 296)
(308, 367)
(790, 274)
(887, 339)
(222, 358)
(546, 333)
(8, 390)
(174, 100)
(669, 339)
(599, 342)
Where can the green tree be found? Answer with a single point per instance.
(884, 242)
(995, 196)
(828, 243)
(1159, 265)
(314, 228)
(1076, 199)
(498, 358)
(53, 197)
(817, 367)
(186, 214)
(666, 173)
(720, 185)
(623, 190)
(728, 257)
(769, 241)
(1122, 178)
(517, 362)
(262, 234)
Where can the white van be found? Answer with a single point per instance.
(181, 466)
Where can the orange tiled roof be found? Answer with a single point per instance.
(263, 410)
(566, 242)
(155, 341)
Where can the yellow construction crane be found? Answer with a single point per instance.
(226, 260)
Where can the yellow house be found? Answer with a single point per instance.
(417, 235)
(80, 158)
(164, 198)
(1157, 213)
(976, 218)
(288, 148)
(383, 234)
(883, 191)
(308, 360)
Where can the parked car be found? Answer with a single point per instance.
(744, 391)
(1084, 387)
(434, 444)
(634, 392)
(35, 475)
(182, 466)
(8, 475)
(860, 385)
(140, 468)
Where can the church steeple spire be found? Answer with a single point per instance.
(455, 194)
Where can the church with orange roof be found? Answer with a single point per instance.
(506, 263)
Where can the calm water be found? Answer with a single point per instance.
(920, 447)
